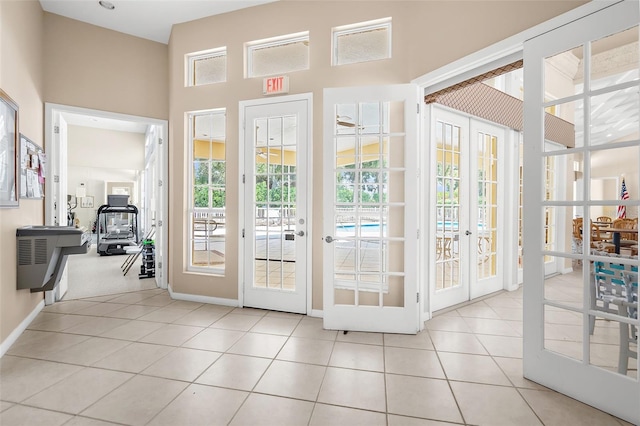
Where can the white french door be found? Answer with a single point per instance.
(585, 73)
(467, 240)
(276, 232)
(371, 209)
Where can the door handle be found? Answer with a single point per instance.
(328, 239)
(467, 232)
(300, 234)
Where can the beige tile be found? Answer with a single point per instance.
(104, 298)
(182, 364)
(504, 301)
(508, 313)
(492, 405)
(86, 421)
(60, 322)
(421, 340)
(235, 371)
(21, 415)
(5, 405)
(412, 421)
(270, 410)
(236, 322)
(134, 358)
(324, 415)
(360, 357)
(165, 315)
(293, 380)
(201, 405)
(421, 397)
(89, 351)
(101, 309)
(250, 311)
(412, 362)
(512, 367)
(78, 391)
(556, 409)
(309, 351)
(172, 334)
(137, 401)
(510, 347)
(133, 330)
(478, 310)
(214, 340)
(457, 342)
(491, 326)
(96, 326)
(23, 377)
(359, 337)
(312, 328)
(158, 300)
(132, 312)
(276, 325)
(472, 368)
(184, 304)
(256, 344)
(353, 388)
(40, 344)
(448, 323)
(70, 307)
(133, 297)
(200, 318)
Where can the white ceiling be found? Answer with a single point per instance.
(149, 19)
(104, 123)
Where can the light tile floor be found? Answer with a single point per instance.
(141, 358)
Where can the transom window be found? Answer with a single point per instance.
(278, 55)
(207, 67)
(207, 200)
(366, 41)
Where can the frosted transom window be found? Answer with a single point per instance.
(278, 56)
(367, 41)
(206, 68)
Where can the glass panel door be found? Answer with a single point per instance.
(370, 217)
(581, 324)
(276, 237)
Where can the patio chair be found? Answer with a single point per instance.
(604, 219)
(628, 332)
(608, 287)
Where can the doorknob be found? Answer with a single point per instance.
(300, 234)
(328, 239)
(467, 232)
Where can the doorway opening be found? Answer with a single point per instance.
(93, 154)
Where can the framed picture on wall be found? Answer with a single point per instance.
(9, 195)
(87, 202)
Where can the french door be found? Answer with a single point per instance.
(371, 209)
(276, 196)
(585, 73)
(467, 158)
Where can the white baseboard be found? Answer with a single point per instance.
(9, 341)
(316, 313)
(566, 270)
(202, 299)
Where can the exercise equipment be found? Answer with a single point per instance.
(119, 220)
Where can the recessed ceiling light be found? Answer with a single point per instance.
(107, 4)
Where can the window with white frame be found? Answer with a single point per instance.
(362, 42)
(278, 55)
(207, 67)
(207, 192)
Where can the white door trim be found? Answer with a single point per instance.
(308, 97)
(51, 109)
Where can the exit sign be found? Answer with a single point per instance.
(275, 85)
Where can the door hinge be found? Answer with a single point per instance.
(243, 233)
(159, 223)
(159, 182)
(159, 266)
(418, 109)
(243, 177)
(417, 297)
(56, 130)
(418, 232)
(160, 141)
(56, 178)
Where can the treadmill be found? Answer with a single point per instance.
(119, 221)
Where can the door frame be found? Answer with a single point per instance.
(52, 145)
(308, 97)
(496, 55)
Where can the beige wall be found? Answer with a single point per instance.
(426, 35)
(21, 76)
(92, 67)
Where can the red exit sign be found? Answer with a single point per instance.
(275, 85)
